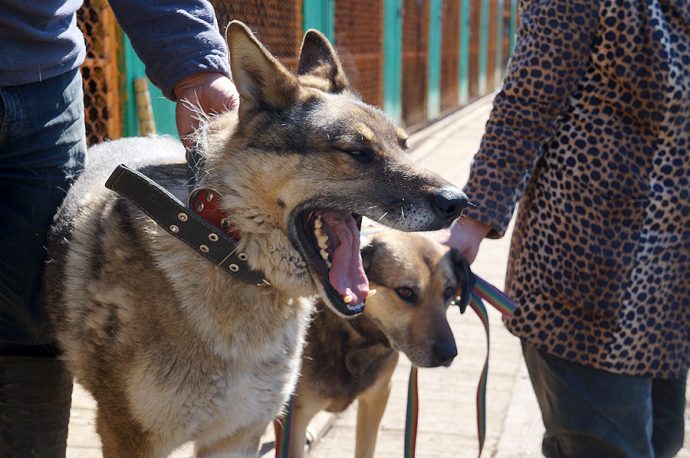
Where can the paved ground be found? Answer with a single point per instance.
(447, 426)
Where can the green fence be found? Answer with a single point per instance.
(483, 50)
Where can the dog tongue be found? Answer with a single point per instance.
(346, 273)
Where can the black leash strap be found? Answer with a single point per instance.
(182, 223)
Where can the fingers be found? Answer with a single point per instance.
(466, 235)
(200, 96)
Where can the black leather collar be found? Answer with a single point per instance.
(183, 223)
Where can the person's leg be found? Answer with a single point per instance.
(668, 407)
(42, 148)
(589, 412)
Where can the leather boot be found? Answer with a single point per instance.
(35, 401)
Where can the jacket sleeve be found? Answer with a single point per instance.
(174, 38)
(553, 49)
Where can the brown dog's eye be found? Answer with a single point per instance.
(361, 156)
(406, 294)
(448, 293)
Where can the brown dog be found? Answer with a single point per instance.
(176, 349)
(415, 279)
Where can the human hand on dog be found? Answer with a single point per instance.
(209, 93)
(465, 235)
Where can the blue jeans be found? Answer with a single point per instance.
(42, 149)
(592, 413)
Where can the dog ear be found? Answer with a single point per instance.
(367, 252)
(464, 277)
(260, 79)
(319, 65)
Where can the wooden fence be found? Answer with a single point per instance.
(417, 59)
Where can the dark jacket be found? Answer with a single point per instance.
(174, 38)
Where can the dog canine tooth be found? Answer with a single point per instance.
(324, 254)
(371, 293)
(322, 240)
(317, 222)
(347, 298)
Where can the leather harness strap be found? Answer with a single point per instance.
(183, 223)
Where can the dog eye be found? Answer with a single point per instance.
(361, 156)
(406, 294)
(448, 293)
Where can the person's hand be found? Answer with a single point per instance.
(465, 236)
(210, 93)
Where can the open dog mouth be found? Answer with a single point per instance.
(330, 240)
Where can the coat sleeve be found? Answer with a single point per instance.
(174, 38)
(552, 50)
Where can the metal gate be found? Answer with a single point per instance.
(100, 71)
(415, 61)
(359, 41)
(277, 24)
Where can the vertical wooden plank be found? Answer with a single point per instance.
(475, 47)
(498, 63)
(483, 45)
(415, 56)
(450, 56)
(491, 46)
(505, 42)
(513, 23)
(464, 59)
(392, 58)
(434, 61)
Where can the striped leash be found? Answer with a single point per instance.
(482, 291)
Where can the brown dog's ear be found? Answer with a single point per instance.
(367, 252)
(464, 277)
(319, 66)
(260, 79)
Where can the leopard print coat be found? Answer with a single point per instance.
(591, 135)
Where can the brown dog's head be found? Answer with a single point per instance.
(301, 158)
(415, 279)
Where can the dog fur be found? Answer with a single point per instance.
(415, 279)
(174, 349)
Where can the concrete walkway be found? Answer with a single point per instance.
(447, 425)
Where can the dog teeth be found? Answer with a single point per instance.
(322, 240)
(347, 298)
(371, 293)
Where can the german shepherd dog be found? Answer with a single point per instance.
(343, 360)
(173, 348)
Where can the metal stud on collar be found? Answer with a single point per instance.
(234, 267)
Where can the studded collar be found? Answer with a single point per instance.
(202, 228)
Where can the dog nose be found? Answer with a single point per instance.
(444, 352)
(449, 202)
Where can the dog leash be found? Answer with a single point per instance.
(482, 291)
(282, 428)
